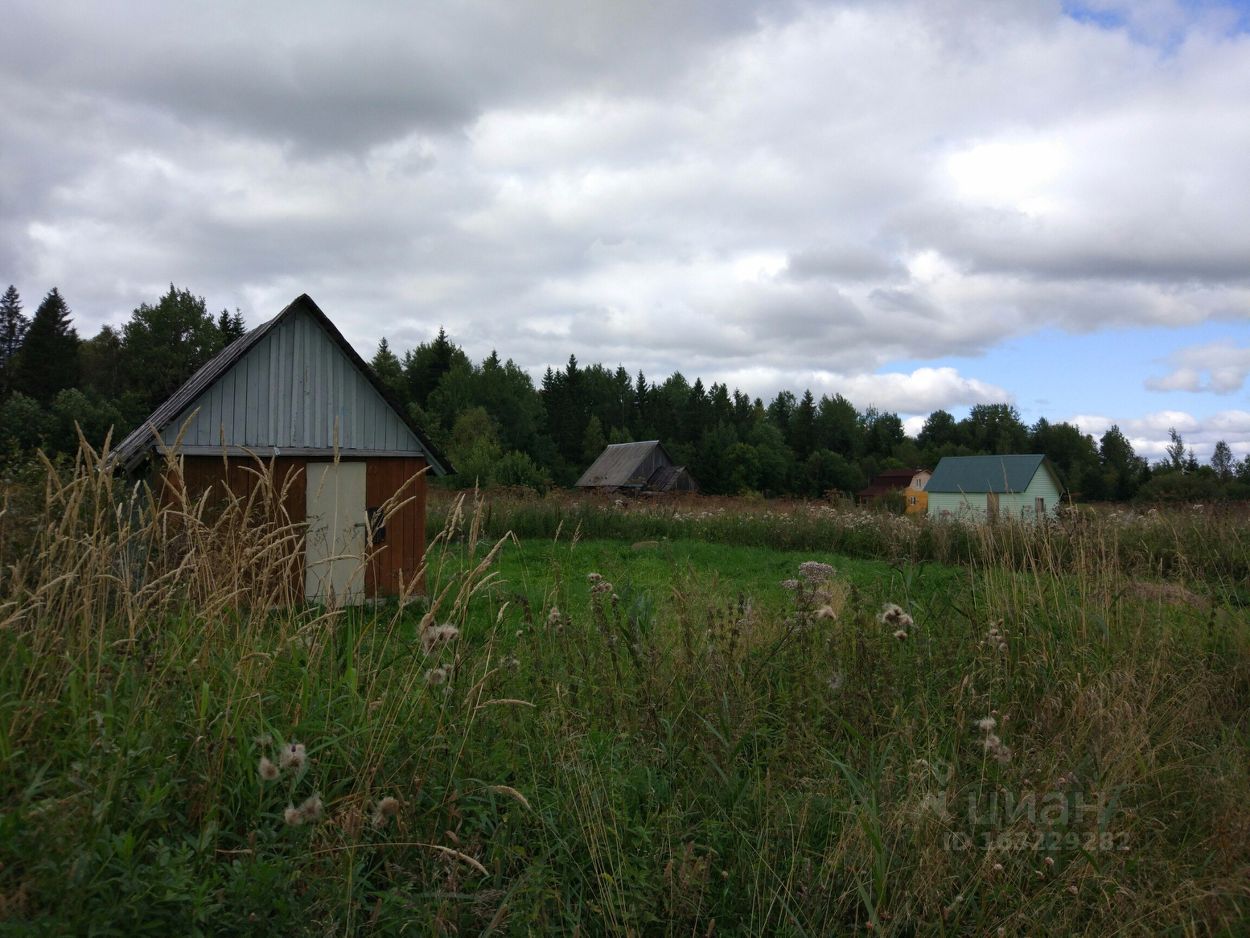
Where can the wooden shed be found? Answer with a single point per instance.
(637, 467)
(296, 396)
(986, 488)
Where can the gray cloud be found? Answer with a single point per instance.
(728, 189)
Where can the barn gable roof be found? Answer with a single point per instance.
(621, 464)
(1001, 474)
(291, 386)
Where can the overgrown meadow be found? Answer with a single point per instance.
(634, 719)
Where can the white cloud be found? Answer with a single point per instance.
(1218, 367)
(917, 393)
(1150, 437)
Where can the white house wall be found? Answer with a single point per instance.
(296, 389)
(1020, 505)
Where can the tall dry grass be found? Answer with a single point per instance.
(156, 646)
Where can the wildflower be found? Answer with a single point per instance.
(268, 771)
(1049, 861)
(815, 571)
(594, 577)
(436, 676)
(293, 756)
(900, 634)
(986, 724)
(293, 816)
(836, 680)
(310, 810)
(385, 809)
(601, 586)
(790, 585)
(998, 867)
(434, 638)
(1072, 889)
(553, 617)
(826, 612)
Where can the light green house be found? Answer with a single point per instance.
(987, 488)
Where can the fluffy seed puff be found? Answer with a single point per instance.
(308, 812)
(436, 636)
(293, 757)
(268, 771)
(385, 809)
(893, 614)
(999, 751)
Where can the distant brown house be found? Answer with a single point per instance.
(637, 467)
(909, 482)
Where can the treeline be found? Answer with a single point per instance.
(51, 379)
(499, 429)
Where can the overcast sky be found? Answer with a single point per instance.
(918, 205)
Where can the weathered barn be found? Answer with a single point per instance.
(639, 467)
(910, 483)
(295, 395)
(1024, 487)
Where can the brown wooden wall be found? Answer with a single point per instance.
(397, 560)
(396, 483)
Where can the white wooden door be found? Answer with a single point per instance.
(335, 559)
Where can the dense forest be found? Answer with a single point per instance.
(499, 429)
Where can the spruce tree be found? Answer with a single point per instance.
(48, 361)
(13, 326)
(230, 327)
(390, 372)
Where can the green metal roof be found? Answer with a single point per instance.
(985, 473)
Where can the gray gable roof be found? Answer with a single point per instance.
(625, 464)
(292, 385)
(1000, 474)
